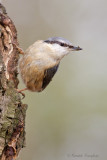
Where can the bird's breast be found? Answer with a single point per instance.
(37, 71)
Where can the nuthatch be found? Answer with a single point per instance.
(41, 60)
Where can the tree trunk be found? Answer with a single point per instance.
(12, 111)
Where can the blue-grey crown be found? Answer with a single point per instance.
(58, 39)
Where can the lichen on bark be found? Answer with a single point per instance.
(12, 111)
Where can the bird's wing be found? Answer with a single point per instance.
(48, 75)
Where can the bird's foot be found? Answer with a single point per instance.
(21, 92)
(20, 50)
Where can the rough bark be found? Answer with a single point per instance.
(12, 111)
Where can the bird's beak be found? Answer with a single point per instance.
(75, 48)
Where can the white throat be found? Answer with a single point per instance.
(59, 51)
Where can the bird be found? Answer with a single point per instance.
(39, 63)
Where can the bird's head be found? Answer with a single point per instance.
(60, 46)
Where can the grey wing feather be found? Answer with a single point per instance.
(48, 75)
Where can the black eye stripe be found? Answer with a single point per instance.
(60, 43)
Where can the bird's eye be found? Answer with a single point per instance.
(62, 44)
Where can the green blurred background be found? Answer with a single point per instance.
(68, 120)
